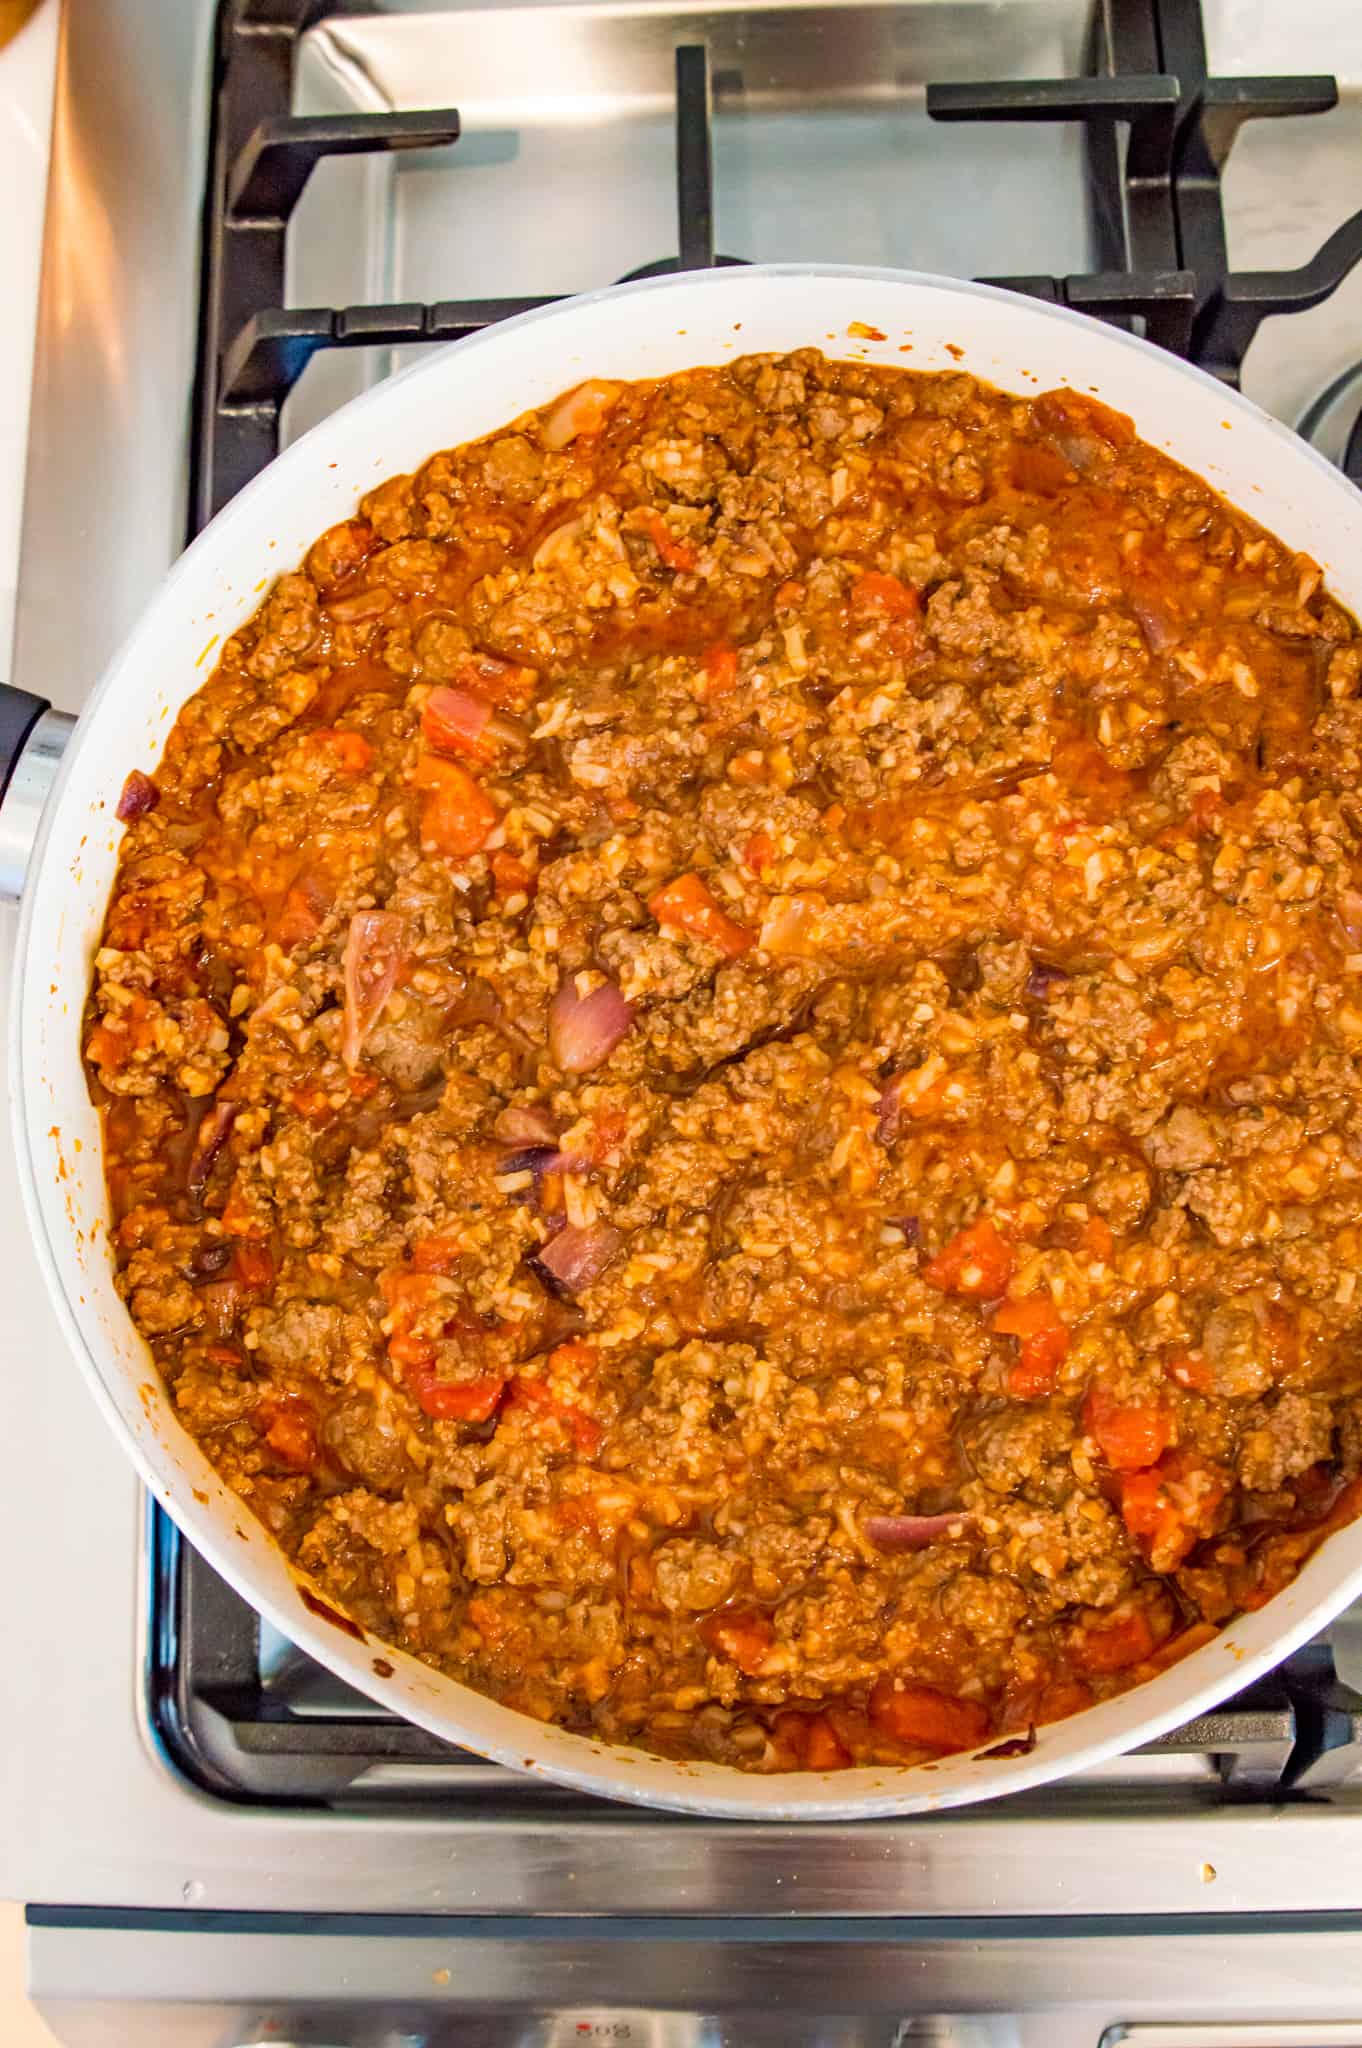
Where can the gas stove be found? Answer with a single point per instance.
(255, 212)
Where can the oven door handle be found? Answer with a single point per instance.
(33, 739)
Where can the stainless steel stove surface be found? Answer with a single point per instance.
(219, 1842)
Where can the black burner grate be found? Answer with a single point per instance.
(1159, 130)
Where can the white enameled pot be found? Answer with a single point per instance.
(451, 396)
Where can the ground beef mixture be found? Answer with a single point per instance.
(731, 1052)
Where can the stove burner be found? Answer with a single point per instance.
(1333, 423)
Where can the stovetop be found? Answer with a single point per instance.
(415, 174)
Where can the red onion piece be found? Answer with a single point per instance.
(584, 1030)
(523, 1123)
(891, 1111)
(541, 1159)
(374, 960)
(1157, 625)
(457, 719)
(1349, 912)
(140, 795)
(209, 1140)
(912, 1532)
(578, 1255)
(1043, 978)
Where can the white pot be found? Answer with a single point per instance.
(453, 395)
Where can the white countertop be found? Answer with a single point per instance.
(27, 70)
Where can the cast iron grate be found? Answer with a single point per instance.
(1159, 130)
(296, 1737)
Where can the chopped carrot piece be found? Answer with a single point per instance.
(759, 852)
(1113, 1645)
(252, 1266)
(977, 1262)
(721, 669)
(877, 592)
(457, 816)
(689, 904)
(925, 1718)
(677, 554)
(436, 1254)
(1130, 1435)
(789, 596)
(510, 876)
(741, 1636)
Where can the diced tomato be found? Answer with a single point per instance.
(1130, 1435)
(677, 554)
(291, 1432)
(411, 1351)
(455, 1400)
(1062, 1697)
(350, 750)
(436, 1254)
(299, 919)
(457, 816)
(106, 1048)
(1171, 1507)
(1183, 1644)
(252, 1266)
(811, 1741)
(1115, 1644)
(825, 1751)
(977, 1262)
(1063, 410)
(405, 1290)
(759, 852)
(740, 1635)
(585, 1431)
(1044, 1344)
(488, 1618)
(314, 1103)
(688, 904)
(609, 1129)
(238, 1219)
(506, 683)
(721, 669)
(924, 1718)
(1191, 1370)
(1204, 812)
(510, 876)
(877, 592)
(1096, 1238)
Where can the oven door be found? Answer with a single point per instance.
(191, 1981)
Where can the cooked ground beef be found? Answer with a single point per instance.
(731, 1056)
